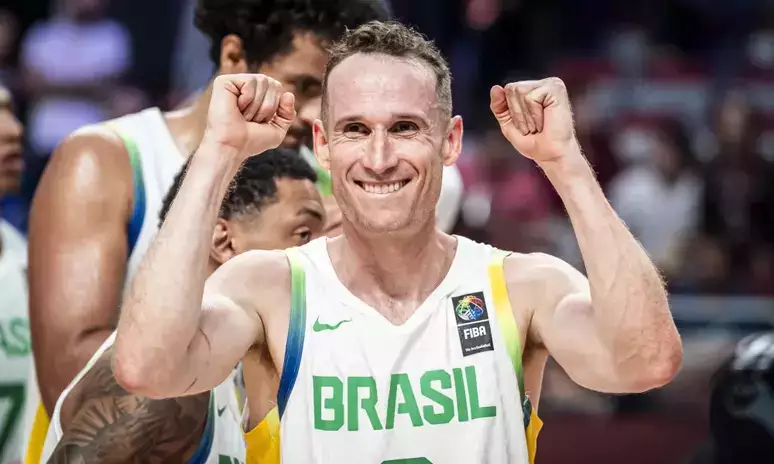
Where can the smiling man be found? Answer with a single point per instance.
(395, 342)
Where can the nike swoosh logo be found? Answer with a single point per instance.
(221, 411)
(319, 327)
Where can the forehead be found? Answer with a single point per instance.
(294, 191)
(374, 84)
(307, 58)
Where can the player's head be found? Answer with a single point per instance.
(284, 39)
(272, 203)
(387, 128)
(742, 403)
(11, 131)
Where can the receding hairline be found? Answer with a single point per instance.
(415, 61)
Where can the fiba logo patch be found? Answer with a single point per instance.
(473, 323)
(470, 308)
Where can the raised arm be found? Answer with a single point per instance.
(172, 338)
(77, 250)
(614, 332)
(102, 422)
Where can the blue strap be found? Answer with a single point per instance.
(294, 346)
(205, 445)
(134, 227)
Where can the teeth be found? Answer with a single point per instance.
(383, 189)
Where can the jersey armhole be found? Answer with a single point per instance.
(509, 330)
(134, 227)
(202, 452)
(294, 346)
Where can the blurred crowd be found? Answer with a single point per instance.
(676, 121)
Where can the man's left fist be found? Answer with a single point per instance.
(535, 116)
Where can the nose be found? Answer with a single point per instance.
(10, 127)
(379, 157)
(309, 111)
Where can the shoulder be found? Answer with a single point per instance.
(541, 274)
(93, 151)
(253, 275)
(91, 164)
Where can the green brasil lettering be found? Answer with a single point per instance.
(223, 459)
(15, 337)
(452, 394)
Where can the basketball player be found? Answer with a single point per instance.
(273, 203)
(15, 347)
(394, 342)
(94, 212)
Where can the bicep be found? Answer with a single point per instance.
(563, 321)
(77, 252)
(229, 324)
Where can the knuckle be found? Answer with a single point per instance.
(556, 82)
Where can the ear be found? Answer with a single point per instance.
(452, 146)
(222, 248)
(232, 56)
(321, 150)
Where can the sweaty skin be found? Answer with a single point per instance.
(102, 422)
(78, 237)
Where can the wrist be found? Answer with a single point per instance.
(570, 165)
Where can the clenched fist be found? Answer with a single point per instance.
(535, 116)
(249, 113)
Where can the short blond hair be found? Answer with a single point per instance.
(392, 39)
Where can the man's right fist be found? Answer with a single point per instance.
(248, 113)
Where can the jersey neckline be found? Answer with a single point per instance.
(421, 313)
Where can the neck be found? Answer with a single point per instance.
(402, 267)
(187, 124)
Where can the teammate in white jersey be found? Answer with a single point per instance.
(388, 347)
(273, 204)
(95, 210)
(15, 347)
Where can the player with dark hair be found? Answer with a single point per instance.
(272, 203)
(94, 212)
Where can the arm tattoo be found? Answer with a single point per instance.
(113, 426)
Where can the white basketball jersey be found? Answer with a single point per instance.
(155, 160)
(222, 441)
(440, 388)
(15, 346)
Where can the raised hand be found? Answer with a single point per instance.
(248, 113)
(535, 116)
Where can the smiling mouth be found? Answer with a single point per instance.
(382, 188)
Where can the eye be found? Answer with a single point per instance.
(404, 127)
(355, 128)
(310, 89)
(304, 236)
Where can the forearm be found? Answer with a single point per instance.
(161, 313)
(631, 312)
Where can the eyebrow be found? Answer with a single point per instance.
(305, 79)
(311, 212)
(395, 117)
